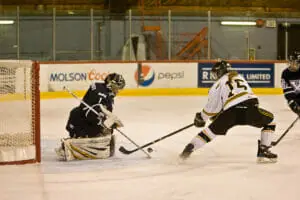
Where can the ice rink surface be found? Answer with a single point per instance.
(224, 169)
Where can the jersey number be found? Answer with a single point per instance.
(239, 84)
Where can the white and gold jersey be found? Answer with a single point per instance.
(224, 94)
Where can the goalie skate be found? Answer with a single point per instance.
(60, 154)
(264, 155)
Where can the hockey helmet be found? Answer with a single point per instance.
(294, 61)
(220, 68)
(114, 82)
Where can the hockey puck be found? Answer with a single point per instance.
(150, 150)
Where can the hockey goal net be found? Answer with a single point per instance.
(19, 112)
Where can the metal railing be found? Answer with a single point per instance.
(92, 34)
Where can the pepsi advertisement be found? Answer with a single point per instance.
(258, 75)
(166, 75)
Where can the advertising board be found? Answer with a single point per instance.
(80, 76)
(167, 75)
(258, 75)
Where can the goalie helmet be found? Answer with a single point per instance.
(220, 68)
(294, 61)
(114, 82)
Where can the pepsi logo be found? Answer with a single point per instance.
(147, 76)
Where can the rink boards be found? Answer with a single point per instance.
(155, 78)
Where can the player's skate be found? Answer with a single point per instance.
(264, 155)
(187, 151)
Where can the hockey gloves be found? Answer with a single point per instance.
(112, 121)
(198, 121)
(294, 106)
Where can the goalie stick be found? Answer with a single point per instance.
(93, 110)
(125, 151)
(274, 143)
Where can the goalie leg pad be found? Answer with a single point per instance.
(85, 148)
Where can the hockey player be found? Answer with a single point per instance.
(290, 81)
(231, 102)
(91, 134)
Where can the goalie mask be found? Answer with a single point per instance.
(294, 61)
(114, 82)
(220, 68)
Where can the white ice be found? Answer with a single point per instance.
(225, 169)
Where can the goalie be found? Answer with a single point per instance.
(90, 125)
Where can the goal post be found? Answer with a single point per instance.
(19, 112)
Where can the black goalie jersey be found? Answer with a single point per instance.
(83, 122)
(290, 82)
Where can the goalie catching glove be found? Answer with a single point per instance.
(112, 121)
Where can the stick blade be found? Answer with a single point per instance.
(123, 150)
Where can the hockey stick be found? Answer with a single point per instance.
(274, 143)
(92, 109)
(125, 151)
